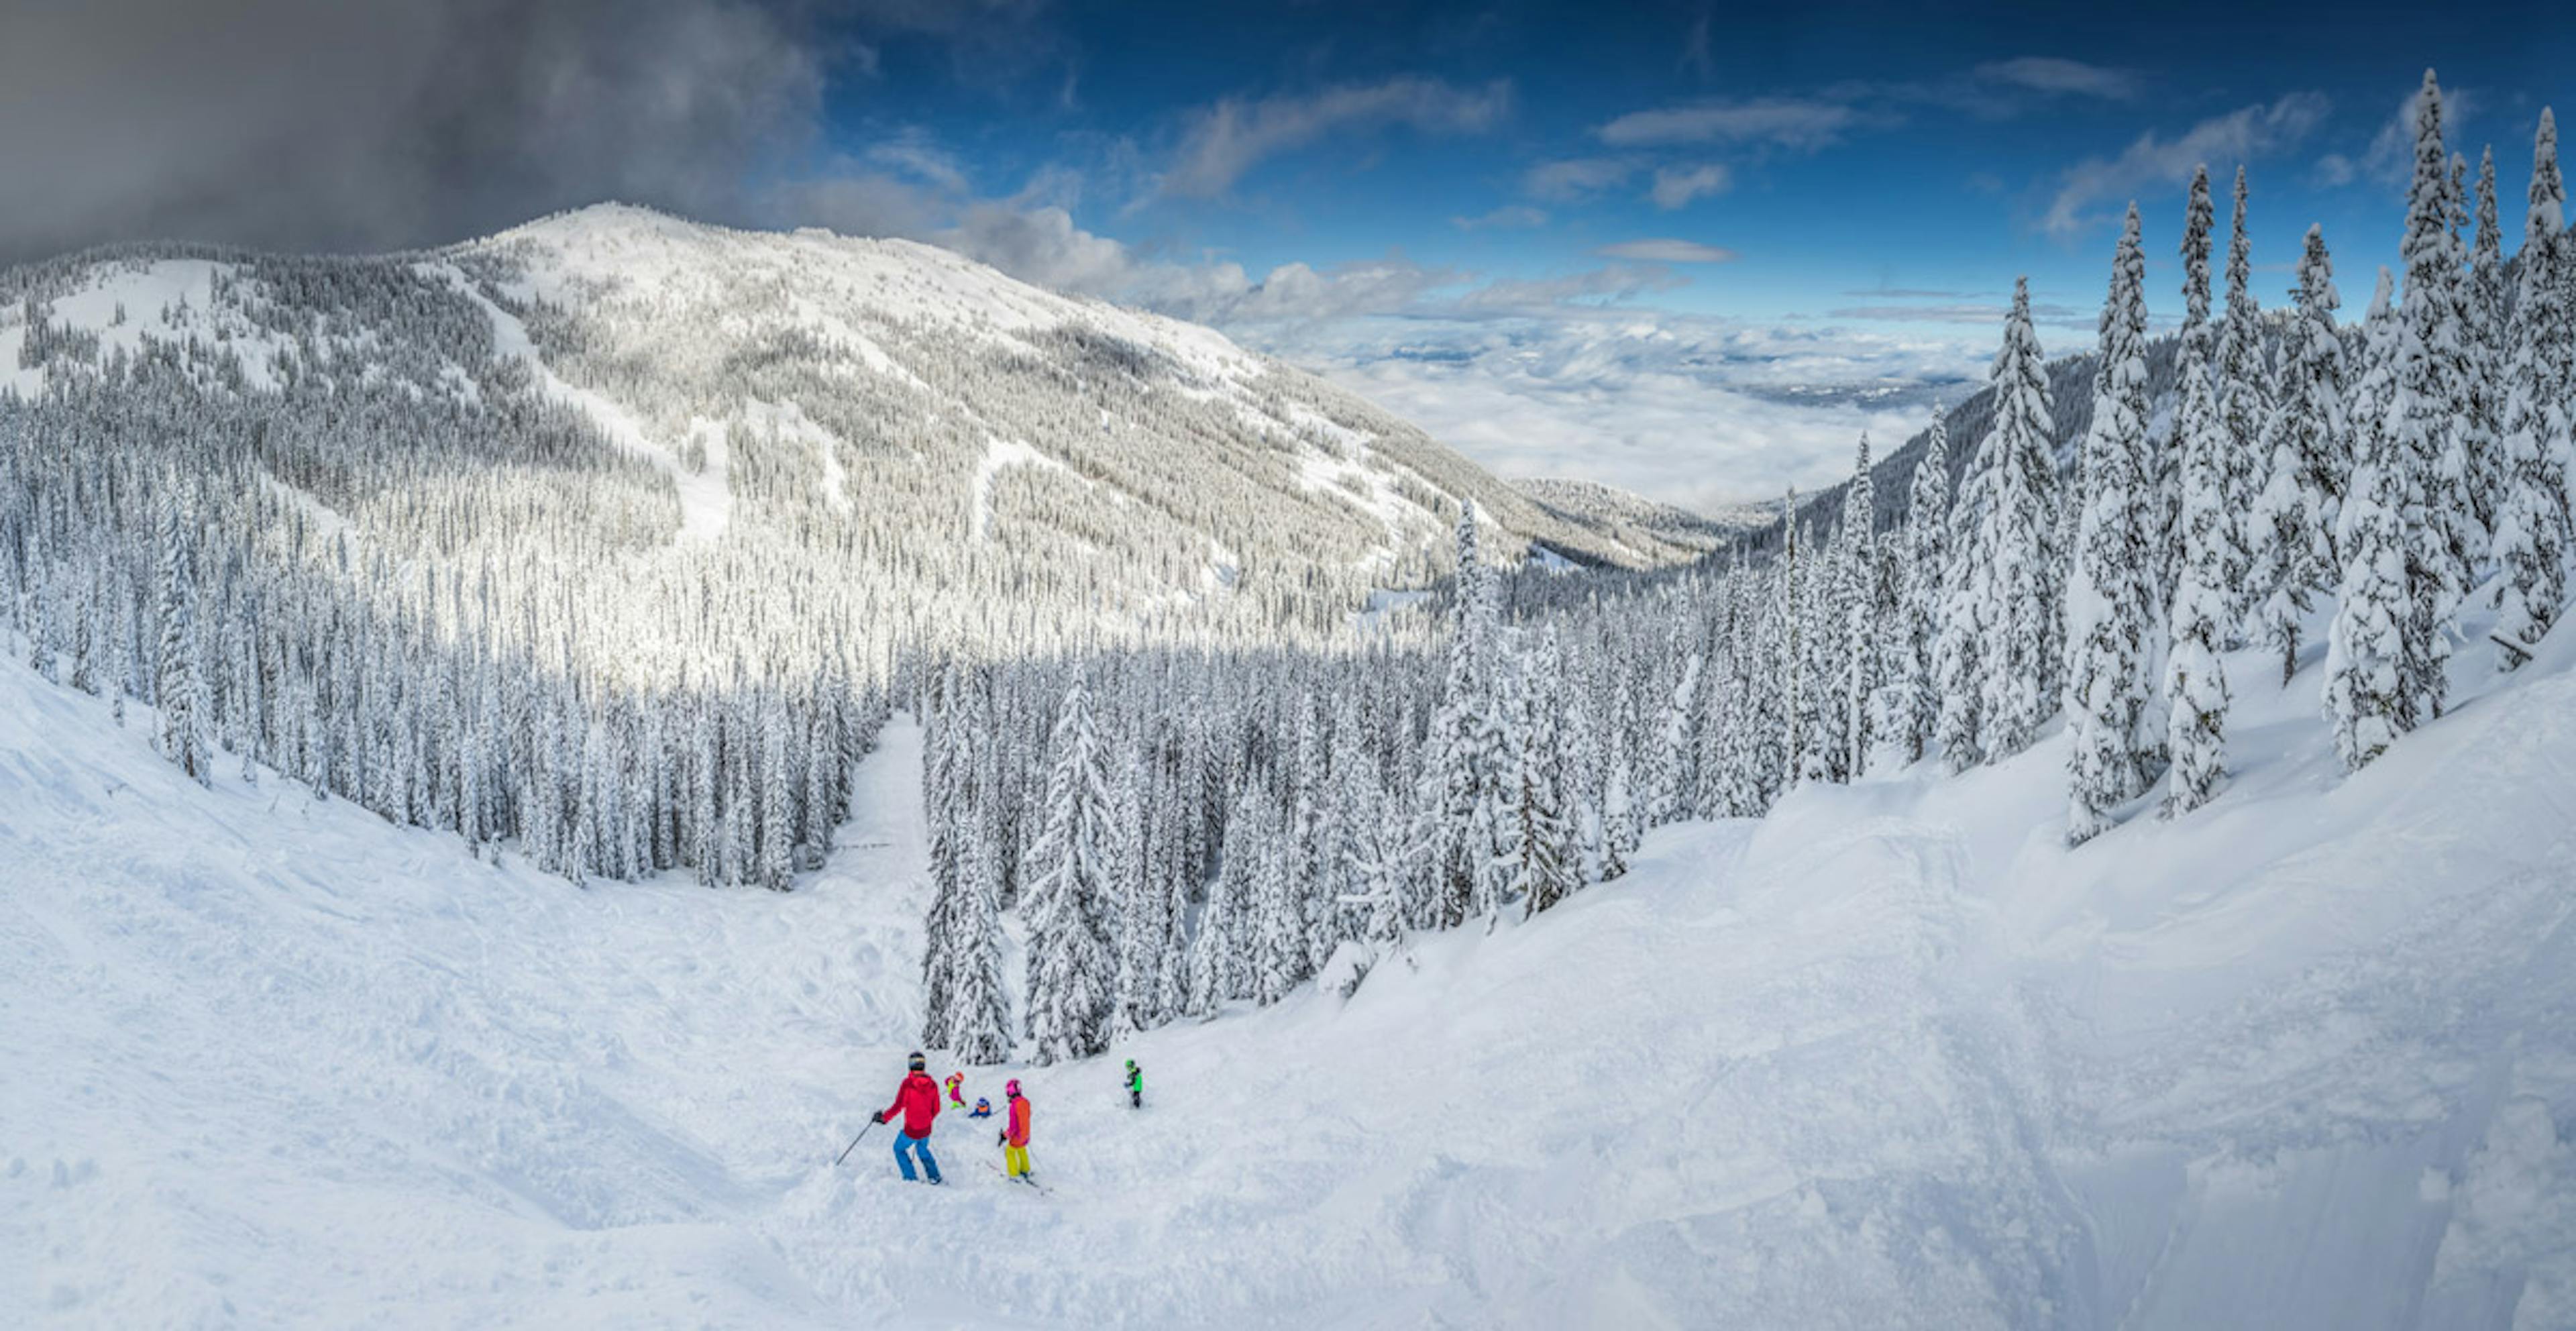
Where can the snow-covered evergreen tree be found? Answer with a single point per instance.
(777, 810)
(2532, 537)
(2483, 352)
(2306, 463)
(1495, 744)
(1619, 834)
(1821, 628)
(1458, 755)
(1665, 801)
(1546, 868)
(1857, 599)
(2244, 407)
(178, 679)
(1958, 651)
(1790, 609)
(1137, 902)
(1072, 974)
(979, 1031)
(2109, 613)
(2368, 696)
(2428, 420)
(2189, 414)
(1927, 528)
(2195, 681)
(2017, 616)
(1279, 937)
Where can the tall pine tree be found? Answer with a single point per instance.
(2017, 604)
(1927, 529)
(2305, 452)
(1072, 974)
(2110, 612)
(2532, 524)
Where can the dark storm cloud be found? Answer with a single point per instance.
(368, 124)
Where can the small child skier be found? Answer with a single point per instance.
(1014, 1140)
(956, 1087)
(983, 1108)
(1135, 1085)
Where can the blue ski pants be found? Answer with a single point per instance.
(904, 1146)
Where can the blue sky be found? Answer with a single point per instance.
(1831, 148)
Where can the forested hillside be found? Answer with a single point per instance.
(605, 538)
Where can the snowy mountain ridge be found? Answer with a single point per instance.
(1635, 520)
(880, 386)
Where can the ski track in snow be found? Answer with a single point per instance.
(1890, 1058)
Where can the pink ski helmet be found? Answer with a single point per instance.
(1011, 1087)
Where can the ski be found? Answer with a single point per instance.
(1008, 1177)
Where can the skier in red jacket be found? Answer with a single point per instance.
(918, 1098)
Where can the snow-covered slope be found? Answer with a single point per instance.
(1893, 1057)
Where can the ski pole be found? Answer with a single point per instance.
(854, 1144)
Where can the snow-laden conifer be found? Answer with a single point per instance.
(2369, 698)
(2428, 419)
(2306, 463)
(1072, 974)
(2109, 613)
(2244, 388)
(1927, 535)
(2532, 535)
(2017, 615)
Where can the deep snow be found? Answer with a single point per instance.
(1892, 1057)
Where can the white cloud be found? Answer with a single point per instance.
(1788, 122)
(1676, 186)
(2240, 135)
(1666, 250)
(1570, 179)
(1032, 235)
(1509, 217)
(1228, 139)
(913, 153)
(2043, 313)
(2390, 158)
(2042, 73)
(1545, 297)
(1687, 410)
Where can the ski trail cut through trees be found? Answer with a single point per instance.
(706, 501)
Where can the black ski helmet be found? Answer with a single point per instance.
(918, 1062)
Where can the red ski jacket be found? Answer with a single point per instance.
(1018, 1133)
(918, 1098)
